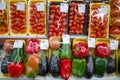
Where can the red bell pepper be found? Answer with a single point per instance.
(65, 68)
(32, 46)
(102, 50)
(80, 50)
(15, 69)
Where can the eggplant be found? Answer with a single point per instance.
(4, 64)
(110, 65)
(89, 67)
(43, 66)
(54, 67)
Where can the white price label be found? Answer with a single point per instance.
(18, 44)
(66, 39)
(40, 7)
(21, 6)
(44, 45)
(2, 5)
(64, 7)
(104, 9)
(114, 44)
(81, 8)
(91, 42)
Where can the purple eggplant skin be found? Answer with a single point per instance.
(43, 66)
(4, 64)
(110, 65)
(89, 67)
(54, 65)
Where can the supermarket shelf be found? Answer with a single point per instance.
(9, 36)
(78, 36)
(75, 78)
(71, 78)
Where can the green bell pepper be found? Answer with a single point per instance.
(78, 67)
(65, 51)
(100, 66)
(17, 55)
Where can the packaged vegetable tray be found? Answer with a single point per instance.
(37, 58)
(37, 18)
(99, 20)
(4, 27)
(54, 59)
(104, 58)
(18, 17)
(80, 52)
(76, 17)
(57, 18)
(114, 18)
(14, 58)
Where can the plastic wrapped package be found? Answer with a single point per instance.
(37, 18)
(99, 20)
(32, 66)
(60, 57)
(80, 52)
(57, 18)
(13, 62)
(76, 17)
(104, 54)
(37, 51)
(115, 13)
(18, 17)
(4, 29)
(114, 18)
(43, 53)
(54, 58)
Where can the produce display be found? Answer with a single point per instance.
(57, 20)
(76, 17)
(99, 20)
(17, 19)
(62, 61)
(3, 19)
(37, 18)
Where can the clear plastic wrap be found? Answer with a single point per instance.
(99, 20)
(4, 30)
(57, 18)
(18, 17)
(37, 17)
(115, 13)
(76, 17)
